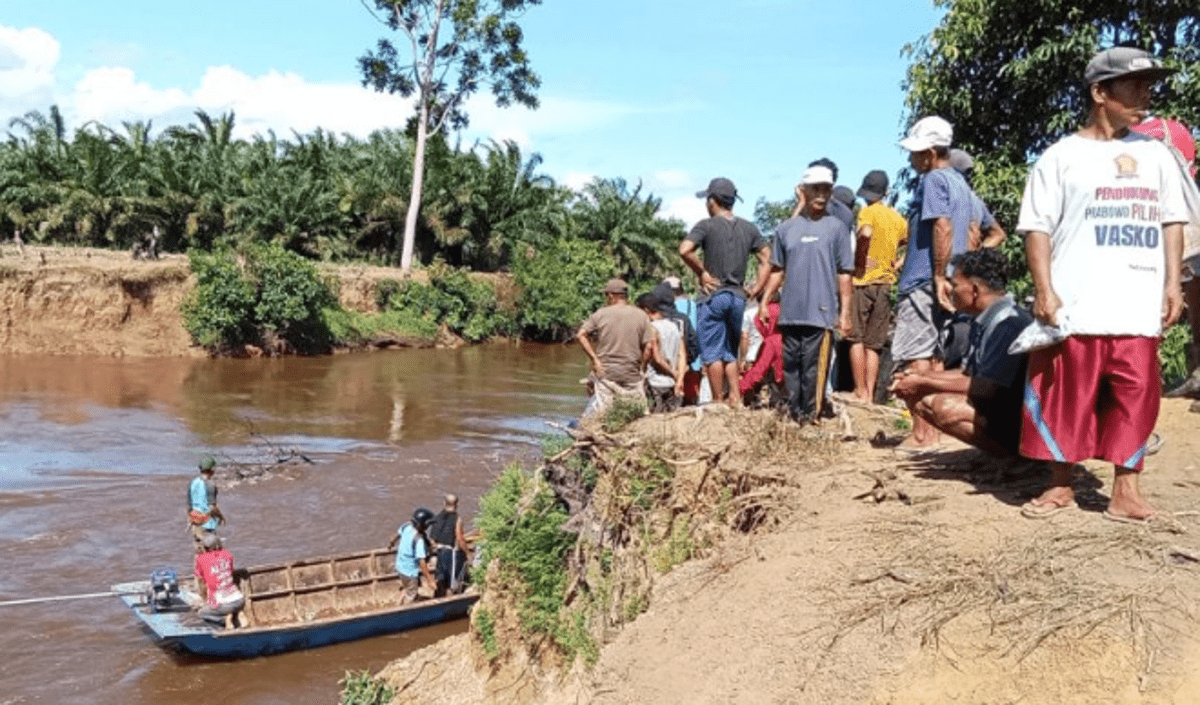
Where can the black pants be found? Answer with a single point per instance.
(451, 566)
(806, 351)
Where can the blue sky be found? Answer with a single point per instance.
(669, 92)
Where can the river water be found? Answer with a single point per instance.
(96, 455)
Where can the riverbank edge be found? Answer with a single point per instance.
(90, 301)
(846, 572)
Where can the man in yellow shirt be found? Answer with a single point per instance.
(881, 232)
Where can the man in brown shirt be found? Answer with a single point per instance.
(622, 336)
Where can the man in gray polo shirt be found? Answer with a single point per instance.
(812, 251)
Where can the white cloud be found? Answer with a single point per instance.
(576, 180)
(553, 117)
(274, 101)
(687, 208)
(671, 179)
(277, 101)
(27, 61)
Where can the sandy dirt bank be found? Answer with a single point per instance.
(940, 593)
(86, 301)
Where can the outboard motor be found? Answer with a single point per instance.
(164, 587)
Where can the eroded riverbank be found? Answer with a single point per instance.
(875, 578)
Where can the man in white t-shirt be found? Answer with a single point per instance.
(1103, 215)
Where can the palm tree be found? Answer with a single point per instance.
(626, 223)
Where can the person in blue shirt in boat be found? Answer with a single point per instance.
(204, 516)
(412, 556)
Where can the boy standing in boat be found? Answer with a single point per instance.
(203, 514)
(412, 557)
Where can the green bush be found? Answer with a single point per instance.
(359, 688)
(219, 311)
(468, 307)
(622, 411)
(560, 286)
(1172, 353)
(521, 519)
(266, 293)
(291, 296)
(485, 624)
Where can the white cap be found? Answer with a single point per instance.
(817, 175)
(928, 132)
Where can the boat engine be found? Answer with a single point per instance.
(164, 587)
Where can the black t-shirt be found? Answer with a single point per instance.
(442, 528)
(727, 246)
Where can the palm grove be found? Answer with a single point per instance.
(1003, 71)
(333, 198)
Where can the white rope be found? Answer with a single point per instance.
(35, 600)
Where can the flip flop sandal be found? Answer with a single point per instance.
(1044, 510)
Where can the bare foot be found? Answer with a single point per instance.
(1127, 501)
(911, 443)
(1059, 492)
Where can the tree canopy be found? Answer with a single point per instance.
(453, 48)
(1008, 74)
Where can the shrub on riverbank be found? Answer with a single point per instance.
(560, 287)
(572, 547)
(265, 296)
(467, 306)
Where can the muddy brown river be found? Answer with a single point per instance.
(96, 455)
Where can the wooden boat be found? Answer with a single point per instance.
(298, 605)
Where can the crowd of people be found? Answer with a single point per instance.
(1073, 376)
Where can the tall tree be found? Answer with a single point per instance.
(455, 47)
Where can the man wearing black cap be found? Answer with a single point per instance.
(881, 231)
(204, 516)
(1103, 215)
(622, 347)
(728, 242)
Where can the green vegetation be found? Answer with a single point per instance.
(1172, 353)
(467, 307)
(267, 296)
(486, 626)
(521, 519)
(484, 208)
(359, 688)
(560, 286)
(622, 411)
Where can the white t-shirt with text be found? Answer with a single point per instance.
(1104, 204)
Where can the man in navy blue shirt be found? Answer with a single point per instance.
(939, 225)
(979, 404)
(812, 251)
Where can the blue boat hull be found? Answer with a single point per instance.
(262, 643)
(176, 626)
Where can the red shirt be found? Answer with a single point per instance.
(215, 568)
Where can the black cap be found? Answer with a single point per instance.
(719, 186)
(874, 185)
(845, 195)
(1118, 62)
